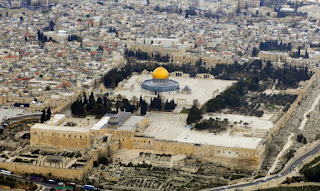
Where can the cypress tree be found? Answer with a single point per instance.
(49, 113)
(85, 101)
(43, 116)
(143, 109)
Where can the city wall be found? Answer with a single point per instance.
(236, 158)
(283, 120)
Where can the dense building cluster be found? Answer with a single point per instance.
(171, 80)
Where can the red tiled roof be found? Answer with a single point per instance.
(65, 84)
(11, 57)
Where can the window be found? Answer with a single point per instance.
(35, 133)
(80, 137)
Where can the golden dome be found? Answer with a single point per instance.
(160, 73)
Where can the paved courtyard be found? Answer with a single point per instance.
(171, 127)
(202, 89)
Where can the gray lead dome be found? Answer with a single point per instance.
(113, 121)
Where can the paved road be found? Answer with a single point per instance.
(42, 183)
(284, 172)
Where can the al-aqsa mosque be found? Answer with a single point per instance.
(160, 82)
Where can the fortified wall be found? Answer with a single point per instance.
(285, 117)
(233, 157)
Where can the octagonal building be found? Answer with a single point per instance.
(160, 82)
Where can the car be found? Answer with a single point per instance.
(279, 175)
(72, 184)
(264, 179)
(50, 181)
(254, 181)
(60, 183)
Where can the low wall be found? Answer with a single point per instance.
(21, 168)
(63, 173)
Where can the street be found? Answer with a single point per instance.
(282, 173)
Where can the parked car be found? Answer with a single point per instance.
(60, 183)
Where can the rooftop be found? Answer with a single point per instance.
(60, 128)
(131, 123)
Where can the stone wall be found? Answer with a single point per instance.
(237, 158)
(283, 120)
(62, 139)
(71, 174)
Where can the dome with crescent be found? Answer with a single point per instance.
(160, 73)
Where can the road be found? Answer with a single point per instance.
(41, 183)
(283, 172)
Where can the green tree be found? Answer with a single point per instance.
(49, 113)
(194, 115)
(85, 101)
(144, 108)
(255, 52)
(43, 116)
(306, 54)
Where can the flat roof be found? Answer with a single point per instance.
(131, 123)
(59, 128)
(103, 121)
(172, 127)
(56, 118)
